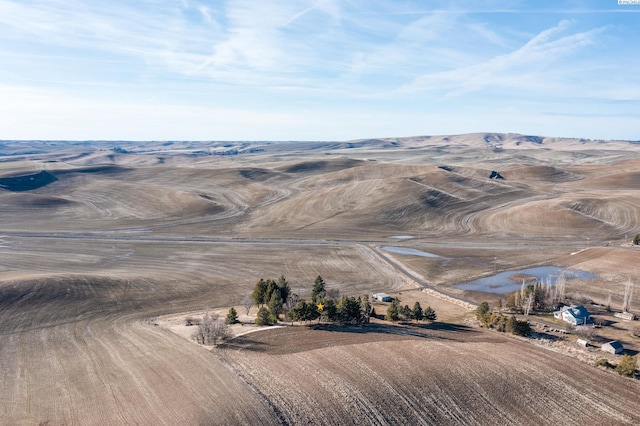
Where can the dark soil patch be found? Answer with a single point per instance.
(103, 169)
(23, 202)
(434, 199)
(45, 202)
(255, 174)
(322, 166)
(308, 166)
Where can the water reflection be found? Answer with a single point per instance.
(503, 283)
(410, 251)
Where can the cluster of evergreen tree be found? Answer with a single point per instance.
(273, 294)
(395, 312)
(346, 310)
(328, 307)
(274, 299)
(502, 323)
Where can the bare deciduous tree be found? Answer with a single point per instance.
(529, 304)
(247, 302)
(211, 330)
(586, 332)
(293, 300)
(333, 293)
(561, 286)
(628, 294)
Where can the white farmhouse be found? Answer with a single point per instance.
(574, 314)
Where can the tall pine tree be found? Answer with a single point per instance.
(418, 313)
(318, 290)
(260, 292)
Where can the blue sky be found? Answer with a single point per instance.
(317, 69)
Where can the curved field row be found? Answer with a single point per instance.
(76, 347)
(227, 272)
(562, 217)
(336, 198)
(616, 210)
(78, 341)
(452, 377)
(114, 370)
(537, 200)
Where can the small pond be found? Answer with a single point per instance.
(501, 283)
(410, 251)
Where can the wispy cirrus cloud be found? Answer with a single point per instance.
(104, 28)
(412, 47)
(240, 42)
(518, 68)
(274, 43)
(369, 65)
(252, 39)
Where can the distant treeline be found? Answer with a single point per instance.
(233, 151)
(199, 153)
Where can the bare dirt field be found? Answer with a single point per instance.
(98, 246)
(453, 375)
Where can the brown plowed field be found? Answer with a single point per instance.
(75, 352)
(390, 375)
(92, 255)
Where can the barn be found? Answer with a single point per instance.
(613, 347)
(382, 297)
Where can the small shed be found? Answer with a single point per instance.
(613, 347)
(382, 297)
(582, 342)
(625, 315)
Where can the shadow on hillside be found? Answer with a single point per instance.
(244, 343)
(363, 328)
(548, 336)
(101, 169)
(446, 326)
(411, 329)
(323, 166)
(27, 182)
(301, 338)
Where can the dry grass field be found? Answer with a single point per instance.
(96, 245)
